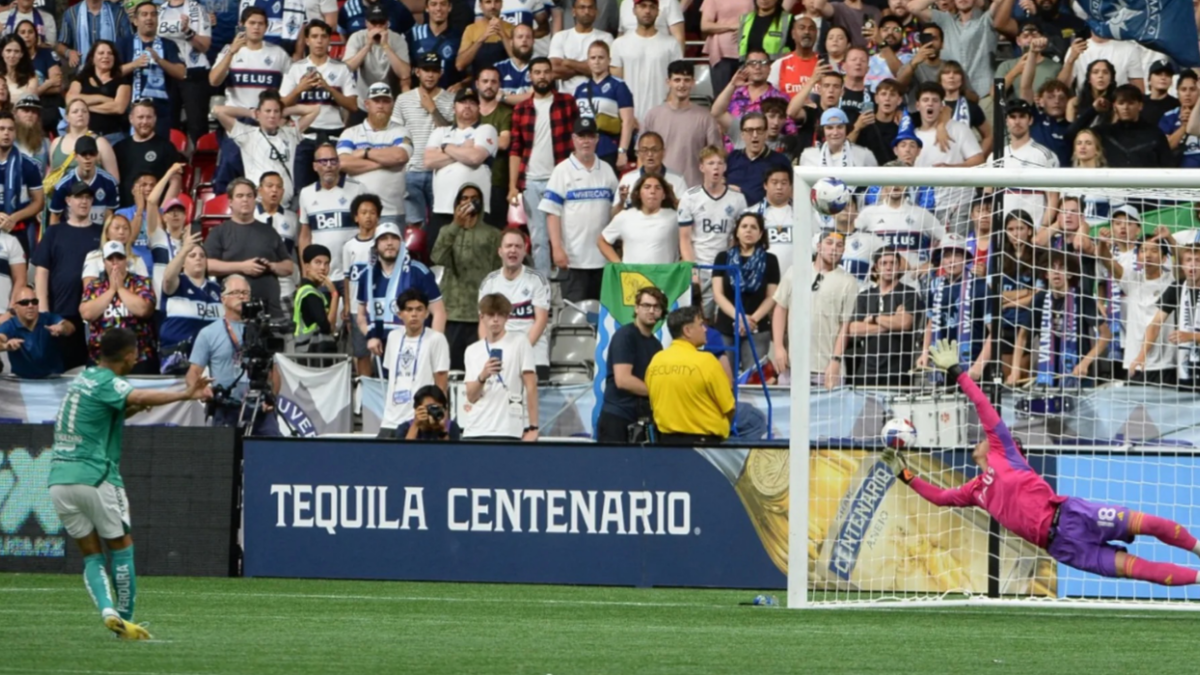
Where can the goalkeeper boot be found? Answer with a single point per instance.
(126, 630)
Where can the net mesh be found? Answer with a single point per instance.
(1078, 309)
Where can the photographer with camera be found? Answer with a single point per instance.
(432, 418)
(220, 347)
(415, 358)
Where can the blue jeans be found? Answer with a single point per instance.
(750, 423)
(539, 232)
(419, 199)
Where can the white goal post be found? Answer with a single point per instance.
(814, 544)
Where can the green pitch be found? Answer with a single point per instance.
(209, 626)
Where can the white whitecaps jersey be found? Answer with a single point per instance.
(327, 215)
(170, 27)
(252, 72)
(337, 75)
(528, 292)
(712, 219)
(910, 229)
(781, 225)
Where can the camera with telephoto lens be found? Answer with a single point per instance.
(261, 340)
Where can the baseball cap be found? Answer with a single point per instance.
(1127, 211)
(79, 188)
(29, 101)
(834, 116)
(114, 248)
(1018, 106)
(466, 93)
(388, 228)
(586, 126)
(86, 145)
(1029, 25)
(1162, 66)
(172, 204)
(430, 61)
(638, 2)
(950, 242)
(377, 14)
(379, 90)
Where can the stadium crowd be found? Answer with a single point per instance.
(377, 173)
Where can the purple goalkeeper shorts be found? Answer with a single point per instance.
(1082, 535)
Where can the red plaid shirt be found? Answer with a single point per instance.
(563, 114)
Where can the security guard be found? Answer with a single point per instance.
(689, 392)
(314, 309)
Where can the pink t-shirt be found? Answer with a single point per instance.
(723, 45)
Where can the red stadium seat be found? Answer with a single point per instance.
(180, 141)
(204, 163)
(214, 212)
(188, 205)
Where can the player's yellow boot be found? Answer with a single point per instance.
(126, 630)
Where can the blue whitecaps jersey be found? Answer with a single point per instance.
(188, 310)
(414, 275)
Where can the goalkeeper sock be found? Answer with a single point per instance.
(125, 581)
(1167, 531)
(95, 579)
(1167, 574)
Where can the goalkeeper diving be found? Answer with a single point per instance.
(1073, 531)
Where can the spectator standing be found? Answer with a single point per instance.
(376, 153)
(650, 152)
(391, 274)
(325, 216)
(901, 225)
(269, 146)
(648, 229)
(1024, 152)
(187, 25)
(153, 65)
(59, 262)
(419, 111)
(877, 131)
(315, 307)
(466, 248)
(925, 64)
(890, 52)
(1050, 125)
(515, 80)
(13, 271)
(690, 395)
(758, 278)
(962, 151)
(460, 155)
(488, 41)
(1179, 300)
(33, 338)
(633, 346)
(706, 219)
(190, 301)
(961, 102)
(245, 246)
(354, 15)
(436, 36)
(249, 65)
(49, 73)
(779, 215)
(416, 358)
(683, 126)
(104, 187)
(121, 299)
(746, 93)
(117, 229)
(286, 223)
(748, 167)
(834, 293)
(25, 10)
(1124, 55)
(608, 101)
(958, 307)
(1068, 333)
(721, 24)
(641, 57)
(668, 20)
(541, 139)
(1130, 142)
(830, 88)
(1174, 124)
(378, 55)
(1032, 43)
(570, 49)
(326, 83)
(86, 24)
(145, 152)
(766, 29)
(356, 257)
(499, 115)
(579, 193)
(528, 291)
(851, 16)
(836, 150)
(884, 328)
(21, 193)
(794, 70)
(969, 37)
(1144, 286)
(502, 379)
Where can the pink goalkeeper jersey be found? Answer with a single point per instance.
(1010, 490)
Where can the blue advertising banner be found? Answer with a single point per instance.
(544, 513)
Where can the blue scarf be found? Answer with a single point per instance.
(396, 283)
(83, 36)
(12, 180)
(941, 314)
(151, 81)
(1067, 342)
(39, 24)
(962, 111)
(754, 268)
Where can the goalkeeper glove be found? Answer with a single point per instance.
(896, 463)
(944, 354)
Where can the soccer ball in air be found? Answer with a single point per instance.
(830, 196)
(899, 434)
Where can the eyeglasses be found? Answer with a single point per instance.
(753, 131)
(27, 303)
(328, 161)
(244, 294)
(758, 62)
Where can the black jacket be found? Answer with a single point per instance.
(1136, 145)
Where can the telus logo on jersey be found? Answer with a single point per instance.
(345, 507)
(252, 78)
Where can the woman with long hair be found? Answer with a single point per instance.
(837, 43)
(1018, 285)
(45, 65)
(116, 229)
(649, 229)
(759, 277)
(62, 151)
(17, 68)
(106, 92)
(1094, 103)
(1088, 153)
(961, 102)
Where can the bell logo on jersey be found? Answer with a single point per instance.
(326, 221)
(708, 226)
(206, 311)
(779, 235)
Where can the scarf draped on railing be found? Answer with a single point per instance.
(1064, 343)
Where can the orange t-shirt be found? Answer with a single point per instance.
(794, 73)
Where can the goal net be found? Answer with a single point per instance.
(1075, 298)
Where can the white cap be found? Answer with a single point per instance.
(951, 241)
(112, 248)
(388, 228)
(1127, 210)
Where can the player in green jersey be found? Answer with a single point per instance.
(85, 478)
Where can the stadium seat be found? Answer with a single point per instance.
(188, 205)
(703, 93)
(180, 141)
(214, 212)
(204, 163)
(561, 376)
(572, 350)
(570, 319)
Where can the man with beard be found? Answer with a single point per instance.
(376, 152)
(891, 54)
(499, 115)
(746, 93)
(393, 273)
(569, 48)
(533, 155)
(877, 130)
(1050, 125)
(640, 57)
(516, 84)
(925, 63)
(1033, 46)
(460, 154)
(145, 152)
(886, 316)
(685, 128)
(970, 37)
(791, 72)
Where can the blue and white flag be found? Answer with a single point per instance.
(1168, 26)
